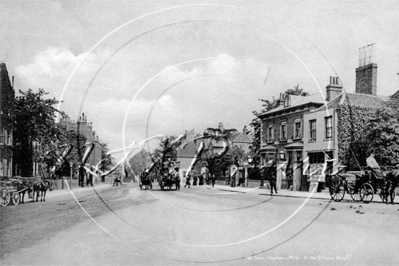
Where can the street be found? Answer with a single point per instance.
(201, 225)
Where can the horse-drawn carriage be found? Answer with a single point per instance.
(145, 180)
(169, 181)
(361, 185)
(13, 189)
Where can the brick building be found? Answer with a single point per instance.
(7, 95)
(283, 131)
(86, 129)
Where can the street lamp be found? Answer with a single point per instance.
(70, 176)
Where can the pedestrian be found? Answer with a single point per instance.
(195, 180)
(188, 179)
(213, 179)
(272, 176)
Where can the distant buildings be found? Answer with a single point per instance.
(84, 128)
(236, 140)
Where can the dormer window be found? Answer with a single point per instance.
(287, 101)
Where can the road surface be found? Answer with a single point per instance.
(201, 225)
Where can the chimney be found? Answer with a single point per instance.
(333, 89)
(366, 73)
(282, 99)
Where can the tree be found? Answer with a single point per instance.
(35, 129)
(383, 136)
(297, 91)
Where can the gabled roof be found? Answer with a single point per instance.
(241, 137)
(395, 95)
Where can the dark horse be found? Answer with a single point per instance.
(392, 179)
(41, 188)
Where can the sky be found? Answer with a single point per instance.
(141, 68)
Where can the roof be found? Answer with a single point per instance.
(395, 95)
(241, 137)
(297, 101)
(359, 99)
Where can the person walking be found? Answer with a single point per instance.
(188, 179)
(272, 176)
(213, 179)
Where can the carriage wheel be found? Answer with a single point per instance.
(366, 193)
(338, 193)
(355, 196)
(5, 197)
(16, 198)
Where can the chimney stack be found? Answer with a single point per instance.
(334, 89)
(366, 73)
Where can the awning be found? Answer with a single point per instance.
(295, 145)
(268, 148)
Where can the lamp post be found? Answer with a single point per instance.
(70, 176)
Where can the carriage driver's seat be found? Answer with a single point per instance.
(376, 173)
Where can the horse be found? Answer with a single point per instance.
(392, 179)
(40, 188)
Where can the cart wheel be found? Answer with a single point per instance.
(355, 196)
(338, 193)
(5, 197)
(366, 193)
(15, 198)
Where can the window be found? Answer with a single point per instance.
(270, 133)
(328, 127)
(283, 131)
(312, 130)
(297, 128)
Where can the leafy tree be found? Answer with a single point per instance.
(140, 161)
(297, 91)
(35, 129)
(383, 136)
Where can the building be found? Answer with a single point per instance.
(236, 140)
(86, 129)
(282, 131)
(325, 127)
(7, 95)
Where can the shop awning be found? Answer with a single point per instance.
(295, 145)
(268, 148)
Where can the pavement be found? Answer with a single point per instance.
(325, 194)
(66, 190)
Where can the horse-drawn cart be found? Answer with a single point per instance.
(10, 192)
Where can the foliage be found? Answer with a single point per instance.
(140, 161)
(383, 135)
(106, 159)
(361, 129)
(35, 129)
